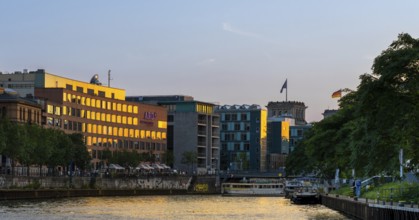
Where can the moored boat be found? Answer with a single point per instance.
(253, 188)
(306, 194)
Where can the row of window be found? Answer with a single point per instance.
(231, 126)
(245, 116)
(98, 116)
(18, 86)
(97, 103)
(106, 130)
(235, 136)
(29, 115)
(236, 147)
(206, 109)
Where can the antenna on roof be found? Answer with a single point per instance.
(109, 78)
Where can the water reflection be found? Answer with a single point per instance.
(165, 207)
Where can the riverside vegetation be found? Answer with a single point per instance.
(372, 124)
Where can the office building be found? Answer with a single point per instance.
(192, 126)
(100, 113)
(243, 137)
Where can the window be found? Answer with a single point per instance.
(79, 89)
(101, 93)
(234, 117)
(244, 117)
(50, 109)
(69, 87)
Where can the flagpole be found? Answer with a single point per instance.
(286, 92)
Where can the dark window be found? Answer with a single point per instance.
(244, 117)
(234, 117)
(227, 117)
(224, 126)
(90, 91)
(237, 126)
(79, 89)
(101, 94)
(170, 118)
(69, 87)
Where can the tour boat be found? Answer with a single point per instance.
(253, 188)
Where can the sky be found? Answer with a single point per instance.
(219, 51)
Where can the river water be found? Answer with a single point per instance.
(165, 207)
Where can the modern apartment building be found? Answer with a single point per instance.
(243, 137)
(100, 113)
(192, 126)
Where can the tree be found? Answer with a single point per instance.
(81, 156)
(372, 124)
(190, 159)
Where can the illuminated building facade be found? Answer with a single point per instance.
(193, 126)
(278, 141)
(243, 137)
(100, 113)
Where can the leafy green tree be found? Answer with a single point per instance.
(81, 156)
(190, 158)
(388, 108)
(168, 158)
(372, 124)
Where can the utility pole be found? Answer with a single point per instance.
(109, 78)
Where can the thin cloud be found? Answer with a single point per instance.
(206, 62)
(229, 28)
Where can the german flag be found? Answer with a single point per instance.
(337, 94)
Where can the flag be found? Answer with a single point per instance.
(337, 94)
(284, 86)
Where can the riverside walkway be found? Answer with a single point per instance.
(361, 208)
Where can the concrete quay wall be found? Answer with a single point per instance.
(368, 211)
(12, 188)
(156, 182)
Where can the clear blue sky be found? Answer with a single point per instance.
(229, 52)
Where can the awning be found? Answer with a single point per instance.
(115, 167)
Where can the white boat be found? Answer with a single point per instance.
(253, 188)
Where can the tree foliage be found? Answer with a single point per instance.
(372, 124)
(33, 145)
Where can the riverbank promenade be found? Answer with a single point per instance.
(361, 208)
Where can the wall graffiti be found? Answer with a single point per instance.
(201, 187)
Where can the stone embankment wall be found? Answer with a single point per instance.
(156, 182)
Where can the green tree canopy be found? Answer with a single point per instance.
(372, 124)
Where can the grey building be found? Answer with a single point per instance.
(296, 110)
(243, 137)
(192, 126)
